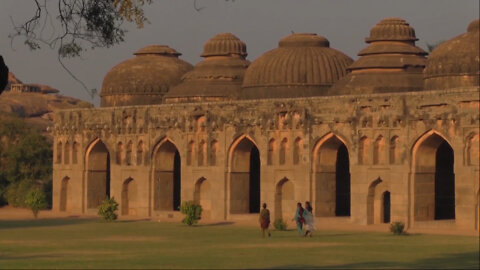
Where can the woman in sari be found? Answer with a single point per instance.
(309, 220)
(299, 219)
(264, 220)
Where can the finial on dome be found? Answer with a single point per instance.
(392, 29)
(157, 49)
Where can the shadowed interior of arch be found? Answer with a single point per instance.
(332, 179)
(434, 188)
(98, 175)
(245, 178)
(167, 178)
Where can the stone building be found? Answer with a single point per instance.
(392, 136)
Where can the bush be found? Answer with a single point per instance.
(397, 228)
(280, 225)
(193, 212)
(36, 200)
(107, 209)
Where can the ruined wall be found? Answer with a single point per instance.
(298, 140)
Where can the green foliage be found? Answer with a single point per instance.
(36, 200)
(280, 225)
(397, 228)
(107, 209)
(193, 212)
(25, 161)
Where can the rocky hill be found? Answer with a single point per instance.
(36, 108)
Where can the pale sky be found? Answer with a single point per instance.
(259, 23)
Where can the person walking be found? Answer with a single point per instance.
(299, 219)
(309, 219)
(264, 220)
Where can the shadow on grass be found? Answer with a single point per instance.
(469, 260)
(15, 224)
(224, 223)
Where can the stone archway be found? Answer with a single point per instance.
(64, 194)
(203, 196)
(285, 204)
(167, 178)
(332, 178)
(98, 174)
(434, 179)
(244, 178)
(129, 197)
(378, 203)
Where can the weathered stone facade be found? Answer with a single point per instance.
(361, 158)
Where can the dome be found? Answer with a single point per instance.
(455, 63)
(303, 65)
(391, 62)
(218, 77)
(143, 79)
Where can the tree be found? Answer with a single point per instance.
(36, 201)
(78, 25)
(25, 161)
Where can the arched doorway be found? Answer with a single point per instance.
(64, 194)
(434, 182)
(129, 197)
(378, 203)
(332, 178)
(202, 196)
(167, 178)
(98, 174)
(285, 204)
(245, 178)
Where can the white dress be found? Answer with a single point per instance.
(309, 221)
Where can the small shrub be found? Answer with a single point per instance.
(193, 212)
(397, 228)
(280, 225)
(107, 209)
(17, 192)
(36, 200)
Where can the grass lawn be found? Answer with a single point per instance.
(83, 243)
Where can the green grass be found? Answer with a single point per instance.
(82, 243)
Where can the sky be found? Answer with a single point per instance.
(259, 23)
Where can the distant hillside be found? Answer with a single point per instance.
(36, 108)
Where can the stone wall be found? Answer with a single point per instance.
(308, 149)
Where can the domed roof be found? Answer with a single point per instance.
(303, 65)
(455, 63)
(391, 63)
(224, 44)
(218, 77)
(143, 79)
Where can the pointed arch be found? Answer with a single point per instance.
(97, 160)
(59, 152)
(283, 151)
(434, 178)
(167, 176)
(364, 151)
(119, 153)
(190, 152)
(213, 152)
(66, 153)
(378, 203)
(140, 152)
(203, 196)
(64, 194)
(394, 151)
(331, 167)
(75, 152)
(285, 203)
(244, 176)
(297, 150)
(129, 197)
(128, 153)
(201, 153)
(271, 151)
(379, 151)
(473, 151)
